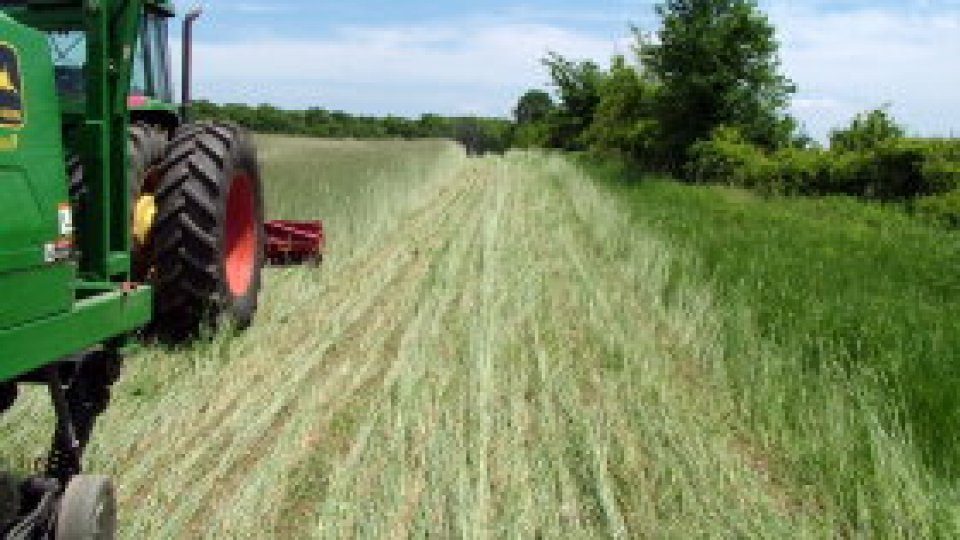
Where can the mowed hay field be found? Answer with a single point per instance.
(491, 348)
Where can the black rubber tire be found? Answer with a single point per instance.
(190, 235)
(8, 396)
(9, 498)
(88, 510)
(145, 148)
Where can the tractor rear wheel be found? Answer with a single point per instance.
(145, 148)
(208, 237)
(88, 510)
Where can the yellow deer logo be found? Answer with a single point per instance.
(6, 81)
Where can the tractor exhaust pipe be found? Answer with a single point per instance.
(186, 82)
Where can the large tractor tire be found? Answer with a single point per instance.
(208, 237)
(145, 148)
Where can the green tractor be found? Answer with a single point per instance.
(117, 217)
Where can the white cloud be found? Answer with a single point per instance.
(262, 7)
(432, 67)
(851, 60)
(844, 60)
(258, 8)
(818, 104)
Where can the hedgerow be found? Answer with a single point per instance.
(892, 170)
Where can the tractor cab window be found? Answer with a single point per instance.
(139, 81)
(151, 62)
(69, 51)
(160, 68)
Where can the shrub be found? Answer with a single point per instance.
(533, 135)
(801, 172)
(728, 159)
(896, 170)
(941, 209)
(848, 173)
(889, 170)
(941, 168)
(866, 131)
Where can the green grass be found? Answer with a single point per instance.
(485, 352)
(842, 339)
(501, 347)
(336, 179)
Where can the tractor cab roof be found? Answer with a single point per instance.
(163, 6)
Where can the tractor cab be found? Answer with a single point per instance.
(151, 60)
(151, 88)
(150, 97)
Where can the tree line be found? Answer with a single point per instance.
(477, 134)
(703, 99)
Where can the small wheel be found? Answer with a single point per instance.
(88, 510)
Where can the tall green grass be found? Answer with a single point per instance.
(841, 336)
(182, 422)
(539, 386)
(489, 350)
(499, 347)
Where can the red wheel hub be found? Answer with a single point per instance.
(241, 246)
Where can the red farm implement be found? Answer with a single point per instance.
(294, 242)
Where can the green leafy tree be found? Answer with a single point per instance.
(434, 125)
(624, 119)
(866, 131)
(578, 85)
(533, 116)
(534, 107)
(717, 63)
(496, 133)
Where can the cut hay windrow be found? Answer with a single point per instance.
(490, 349)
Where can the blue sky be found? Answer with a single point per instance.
(457, 57)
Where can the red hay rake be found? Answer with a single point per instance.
(294, 242)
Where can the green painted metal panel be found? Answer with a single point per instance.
(23, 223)
(12, 260)
(33, 185)
(99, 130)
(28, 347)
(45, 313)
(33, 294)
